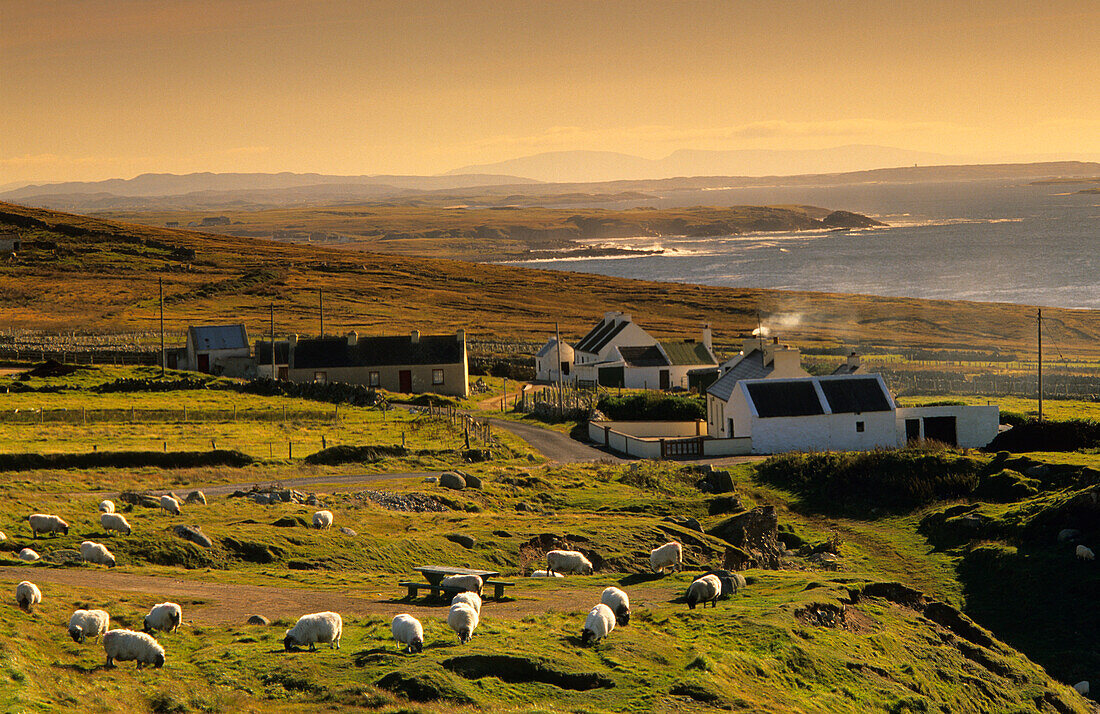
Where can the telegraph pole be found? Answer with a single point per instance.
(561, 394)
(321, 309)
(274, 374)
(162, 357)
(1040, 330)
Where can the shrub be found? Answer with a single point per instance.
(124, 459)
(1068, 435)
(652, 406)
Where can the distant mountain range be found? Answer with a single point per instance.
(575, 166)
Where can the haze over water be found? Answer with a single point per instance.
(990, 241)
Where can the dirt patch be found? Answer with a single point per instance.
(521, 669)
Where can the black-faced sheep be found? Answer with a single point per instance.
(88, 623)
(322, 519)
(408, 631)
(463, 620)
(45, 523)
(96, 553)
(619, 603)
(126, 645)
(705, 589)
(170, 505)
(27, 595)
(1085, 553)
(466, 583)
(598, 625)
(115, 522)
(165, 616)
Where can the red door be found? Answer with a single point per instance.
(204, 363)
(405, 377)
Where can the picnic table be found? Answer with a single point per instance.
(434, 575)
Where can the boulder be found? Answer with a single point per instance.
(728, 580)
(139, 499)
(755, 532)
(463, 540)
(502, 534)
(197, 497)
(193, 534)
(724, 504)
(347, 531)
(472, 481)
(684, 522)
(449, 479)
(258, 620)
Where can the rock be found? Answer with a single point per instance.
(472, 481)
(347, 531)
(1037, 471)
(474, 456)
(502, 534)
(259, 620)
(262, 499)
(313, 501)
(724, 504)
(524, 507)
(847, 219)
(431, 479)
(449, 479)
(729, 582)
(826, 560)
(755, 532)
(196, 497)
(1068, 535)
(193, 534)
(684, 522)
(139, 499)
(720, 481)
(463, 540)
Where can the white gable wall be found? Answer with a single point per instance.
(823, 432)
(975, 426)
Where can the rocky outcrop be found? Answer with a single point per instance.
(847, 219)
(755, 532)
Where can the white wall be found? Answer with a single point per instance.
(648, 429)
(824, 432)
(975, 426)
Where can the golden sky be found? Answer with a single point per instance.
(94, 89)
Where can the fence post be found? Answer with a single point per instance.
(290, 449)
(83, 416)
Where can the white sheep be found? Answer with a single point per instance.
(619, 603)
(1082, 687)
(44, 523)
(703, 590)
(546, 574)
(470, 598)
(598, 625)
(27, 595)
(314, 628)
(115, 522)
(669, 555)
(106, 506)
(322, 519)
(170, 505)
(467, 583)
(407, 630)
(165, 616)
(1085, 553)
(28, 555)
(88, 623)
(126, 645)
(463, 620)
(568, 561)
(2, 537)
(96, 553)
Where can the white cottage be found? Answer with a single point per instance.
(214, 349)
(553, 360)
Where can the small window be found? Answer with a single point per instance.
(320, 377)
(373, 379)
(437, 376)
(859, 427)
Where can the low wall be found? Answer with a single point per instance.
(655, 429)
(678, 440)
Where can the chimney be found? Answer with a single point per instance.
(294, 339)
(707, 338)
(752, 343)
(853, 362)
(461, 335)
(415, 337)
(787, 362)
(353, 338)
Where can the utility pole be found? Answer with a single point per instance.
(274, 374)
(321, 309)
(162, 356)
(561, 395)
(1040, 330)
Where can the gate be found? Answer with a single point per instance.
(690, 448)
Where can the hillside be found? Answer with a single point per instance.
(88, 274)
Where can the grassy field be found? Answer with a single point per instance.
(102, 277)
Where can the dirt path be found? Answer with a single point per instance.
(228, 604)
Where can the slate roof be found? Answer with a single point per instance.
(598, 337)
(551, 348)
(681, 353)
(218, 337)
(649, 356)
(846, 369)
(263, 352)
(332, 352)
(749, 367)
(855, 394)
(780, 398)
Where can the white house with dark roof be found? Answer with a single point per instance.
(214, 349)
(554, 359)
(852, 412)
(619, 353)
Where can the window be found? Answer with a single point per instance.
(437, 376)
(859, 427)
(320, 377)
(373, 380)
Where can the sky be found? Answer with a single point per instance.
(96, 89)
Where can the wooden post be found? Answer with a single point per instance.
(290, 449)
(234, 412)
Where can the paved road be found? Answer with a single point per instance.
(554, 445)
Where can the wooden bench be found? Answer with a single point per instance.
(498, 587)
(437, 591)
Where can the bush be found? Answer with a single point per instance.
(1068, 435)
(652, 406)
(124, 459)
(859, 482)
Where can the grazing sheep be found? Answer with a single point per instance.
(470, 598)
(114, 522)
(96, 553)
(546, 574)
(27, 595)
(463, 620)
(407, 630)
(1082, 687)
(170, 505)
(314, 628)
(106, 506)
(28, 555)
(88, 623)
(669, 555)
(3, 537)
(126, 645)
(322, 519)
(43, 523)
(598, 625)
(468, 583)
(568, 561)
(705, 589)
(1085, 553)
(165, 616)
(619, 603)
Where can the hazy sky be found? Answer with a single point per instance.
(94, 89)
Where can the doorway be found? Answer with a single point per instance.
(405, 381)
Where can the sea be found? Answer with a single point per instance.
(988, 241)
